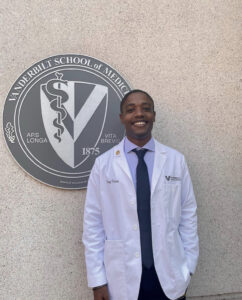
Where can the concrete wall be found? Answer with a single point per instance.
(187, 54)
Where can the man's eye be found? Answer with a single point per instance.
(147, 109)
(129, 110)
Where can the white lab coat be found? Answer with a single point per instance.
(111, 228)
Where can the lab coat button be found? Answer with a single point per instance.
(135, 227)
(132, 202)
(137, 254)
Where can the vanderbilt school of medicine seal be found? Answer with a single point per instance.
(60, 115)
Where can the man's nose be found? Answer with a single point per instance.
(139, 112)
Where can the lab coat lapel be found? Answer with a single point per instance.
(160, 158)
(120, 159)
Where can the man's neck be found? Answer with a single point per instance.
(141, 142)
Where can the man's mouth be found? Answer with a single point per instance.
(139, 123)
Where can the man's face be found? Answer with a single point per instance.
(138, 116)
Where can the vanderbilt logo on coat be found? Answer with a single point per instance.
(172, 178)
(59, 116)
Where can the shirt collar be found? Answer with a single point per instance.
(129, 146)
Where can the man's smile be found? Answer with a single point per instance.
(139, 123)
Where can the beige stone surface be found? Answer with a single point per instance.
(187, 54)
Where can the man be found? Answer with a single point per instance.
(140, 224)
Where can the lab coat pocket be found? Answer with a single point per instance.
(114, 261)
(173, 203)
(180, 260)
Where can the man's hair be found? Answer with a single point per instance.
(132, 92)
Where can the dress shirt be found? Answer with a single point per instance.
(132, 158)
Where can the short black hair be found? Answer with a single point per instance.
(132, 92)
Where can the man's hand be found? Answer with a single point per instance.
(101, 293)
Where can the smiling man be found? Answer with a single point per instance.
(140, 223)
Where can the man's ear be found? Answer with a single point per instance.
(121, 117)
(154, 116)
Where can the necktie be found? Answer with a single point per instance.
(143, 208)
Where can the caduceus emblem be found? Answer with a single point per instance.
(67, 107)
(57, 98)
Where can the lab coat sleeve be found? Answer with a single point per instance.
(93, 231)
(188, 221)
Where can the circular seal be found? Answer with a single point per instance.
(60, 115)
